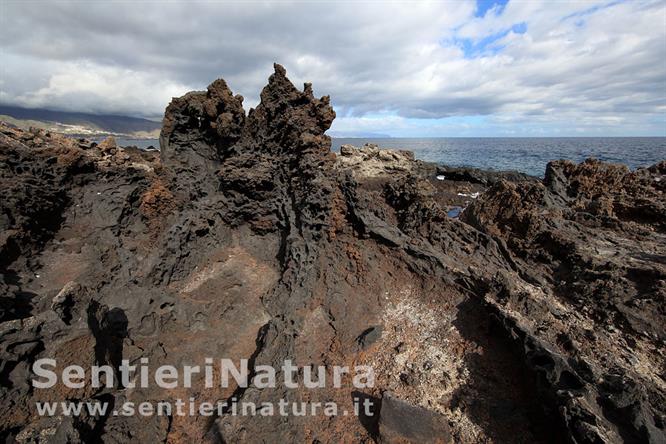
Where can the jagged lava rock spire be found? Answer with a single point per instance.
(198, 130)
(279, 175)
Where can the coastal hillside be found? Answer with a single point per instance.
(492, 307)
(81, 124)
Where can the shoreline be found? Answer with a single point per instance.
(485, 157)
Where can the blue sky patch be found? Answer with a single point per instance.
(483, 6)
(591, 10)
(486, 46)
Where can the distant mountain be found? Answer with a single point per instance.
(80, 123)
(357, 135)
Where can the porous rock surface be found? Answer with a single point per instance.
(537, 316)
(372, 161)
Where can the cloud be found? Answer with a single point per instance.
(394, 68)
(89, 87)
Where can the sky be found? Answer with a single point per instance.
(401, 69)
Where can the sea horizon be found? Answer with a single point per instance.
(528, 155)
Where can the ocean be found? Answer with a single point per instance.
(525, 154)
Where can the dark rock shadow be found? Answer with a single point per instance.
(370, 422)
(109, 327)
(502, 396)
(17, 304)
(18, 307)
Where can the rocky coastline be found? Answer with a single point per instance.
(493, 307)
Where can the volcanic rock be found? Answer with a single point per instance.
(537, 316)
(370, 161)
(401, 422)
